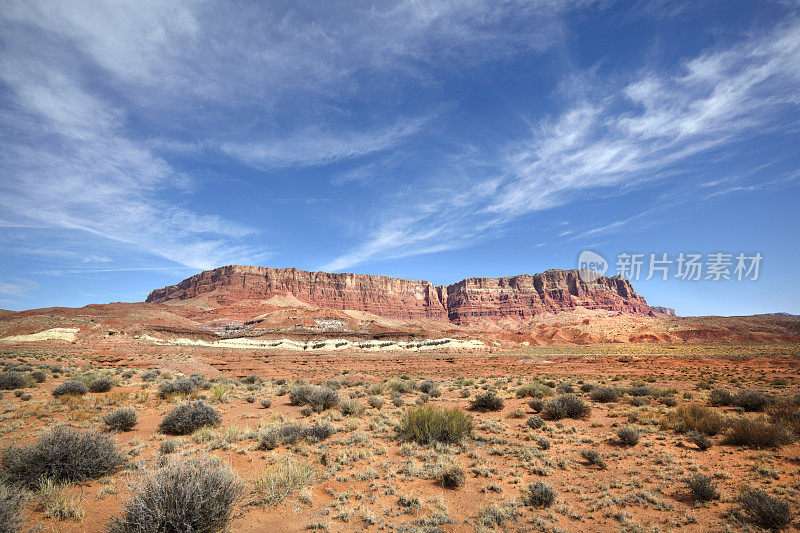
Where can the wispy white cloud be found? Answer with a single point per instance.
(17, 287)
(650, 129)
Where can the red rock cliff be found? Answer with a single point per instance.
(467, 301)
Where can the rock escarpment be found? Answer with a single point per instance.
(468, 301)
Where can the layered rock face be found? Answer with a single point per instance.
(465, 302)
(381, 295)
(528, 295)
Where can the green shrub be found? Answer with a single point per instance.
(291, 434)
(488, 401)
(12, 380)
(702, 488)
(167, 447)
(539, 495)
(453, 477)
(62, 454)
(123, 419)
(194, 494)
(764, 510)
(537, 404)
(39, 376)
(757, 433)
(252, 379)
(189, 417)
(628, 436)
(566, 406)
(426, 424)
(266, 403)
(430, 388)
(534, 390)
(76, 388)
(604, 394)
(376, 402)
(101, 385)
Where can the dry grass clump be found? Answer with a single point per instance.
(757, 432)
(62, 454)
(695, 417)
(194, 494)
(764, 510)
(700, 440)
(74, 388)
(12, 380)
(55, 502)
(11, 502)
(189, 417)
(593, 458)
(351, 407)
(535, 422)
(488, 401)
(318, 398)
(534, 390)
(123, 419)
(277, 483)
(566, 406)
(426, 424)
(453, 477)
(702, 488)
(751, 400)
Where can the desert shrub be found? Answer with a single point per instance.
(70, 387)
(426, 424)
(720, 398)
(290, 434)
(149, 375)
(695, 417)
(123, 419)
(488, 401)
(535, 422)
(565, 388)
(402, 385)
(604, 394)
(764, 510)
(103, 384)
(638, 401)
(702, 488)
(376, 402)
(430, 388)
(280, 481)
(168, 446)
(628, 436)
(12, 380)
(587, 387)
(699, 439)
(397, 400)
(669, 401)
(250, 398)
(786, 411)
(539, 495)
(537, 404)
(39, 376)
(11, 502)
(182, 386)
(252, 379)
(534, 390)
(566, 406)
(189, 417)
(593, 458)
(543, 443)
(319, 432)
(62, 454)
(453, 477)
(351, 407)
(306, 411)
(639, 390)
(194, 494)
(319, 398)
(757, 433)
(266, 403)
(751, 400)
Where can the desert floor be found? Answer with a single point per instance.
(366, 477)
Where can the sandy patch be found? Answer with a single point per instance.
(58, 334)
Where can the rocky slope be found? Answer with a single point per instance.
(469, 301)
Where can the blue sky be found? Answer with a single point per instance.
(143, 142)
